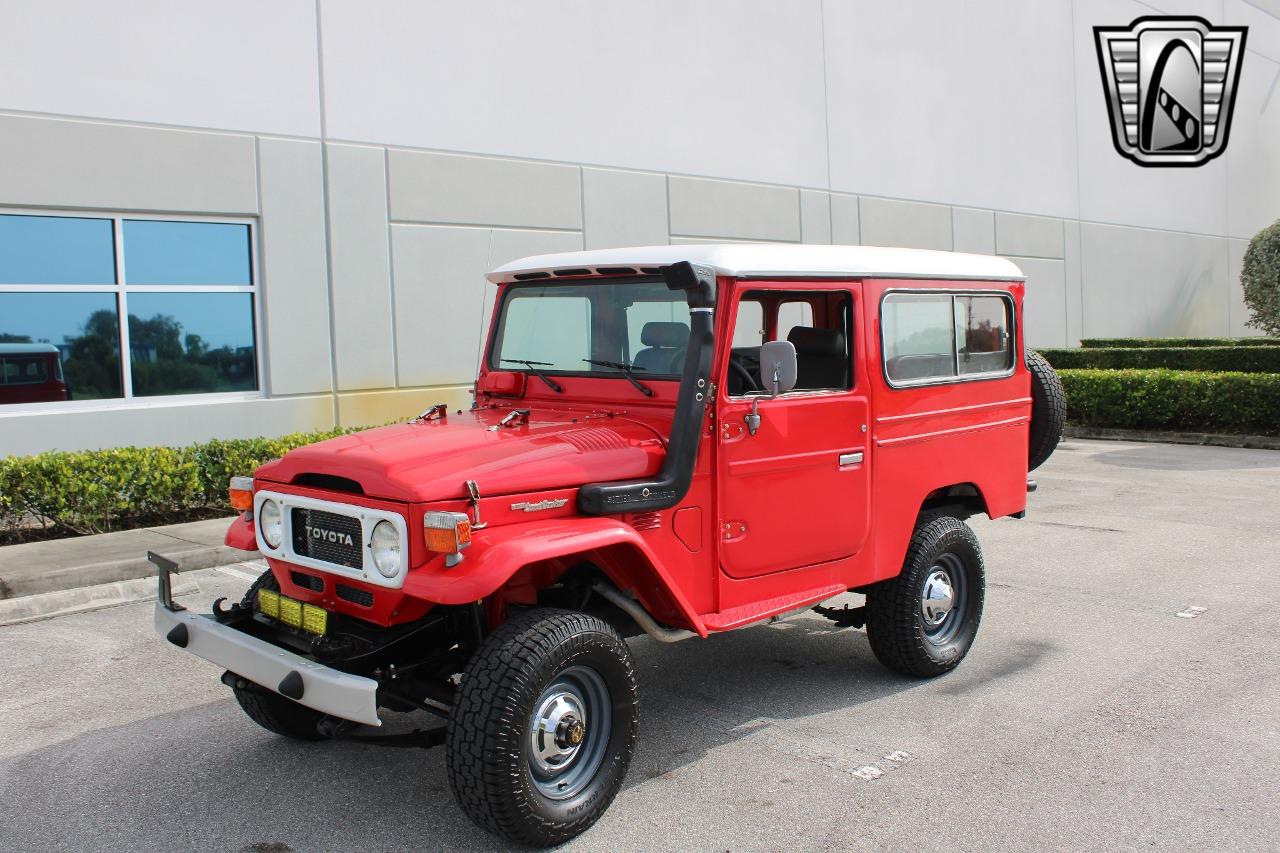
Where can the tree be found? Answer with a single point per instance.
(1260, 278)
(92, 363)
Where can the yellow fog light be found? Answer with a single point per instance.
(269, 603)
(291, 612)
(314, 619)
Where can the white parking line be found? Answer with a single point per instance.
(236, 573)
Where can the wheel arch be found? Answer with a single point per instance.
(519, 560)
(960, 500)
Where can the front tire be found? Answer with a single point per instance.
(544, 726)
(278, 714)
(924, 621)
(275, 713)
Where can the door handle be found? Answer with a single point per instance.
(847, 459)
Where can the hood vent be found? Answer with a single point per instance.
(643, 521)
(593, 439)
(329, 482)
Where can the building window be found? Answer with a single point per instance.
(102, 307)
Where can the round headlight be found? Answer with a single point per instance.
(385, 547)
(271, 523)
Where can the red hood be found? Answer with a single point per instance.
(431, 461)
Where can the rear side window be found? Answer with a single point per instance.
(18, 370)
(982, 329)
(931, 337)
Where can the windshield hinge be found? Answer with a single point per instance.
(439, 411)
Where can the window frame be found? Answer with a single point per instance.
(121, 290)
(959, 377)
(496, 338)
(772, 308)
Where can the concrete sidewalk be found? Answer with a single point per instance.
(33, 568)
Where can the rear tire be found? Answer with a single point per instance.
(542, 732)
(906, 625)
(1048, 410)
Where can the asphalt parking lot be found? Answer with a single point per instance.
(1122, 694)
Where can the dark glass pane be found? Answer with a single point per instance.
(561, 327)
(56, 250)
(71, 339)
(191, 343)
(919, 336)
(982, 326)
(158, 252)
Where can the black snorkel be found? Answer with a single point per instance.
(671, 484)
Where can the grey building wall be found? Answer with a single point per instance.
(390, 154)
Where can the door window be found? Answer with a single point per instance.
(818, 324)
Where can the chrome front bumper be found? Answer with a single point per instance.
(339, 694)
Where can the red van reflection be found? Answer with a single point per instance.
(31, 373)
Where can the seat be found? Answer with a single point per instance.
(821, 356)
(665, 344)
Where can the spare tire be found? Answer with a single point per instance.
(1048, 410)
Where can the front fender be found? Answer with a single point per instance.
(240, 534)
(498, 553)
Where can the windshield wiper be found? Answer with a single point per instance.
(533, 368)
(626, 369)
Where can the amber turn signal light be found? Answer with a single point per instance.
(446, 532)
(241, 493)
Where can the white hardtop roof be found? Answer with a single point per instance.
(25, 349)
(771, 260)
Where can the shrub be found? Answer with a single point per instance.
(1131, 343)
(1174, 400)
(95, 491)
(1240, 359)
(1260, 278)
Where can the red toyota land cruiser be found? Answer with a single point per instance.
(673, 440)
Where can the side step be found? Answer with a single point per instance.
(736, 617)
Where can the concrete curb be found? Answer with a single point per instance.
(1255, 442)
(47, 605)
(34, 568)
(115, 571)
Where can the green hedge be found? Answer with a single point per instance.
(1239, 359)
(95, 491)
(1174, 400)
(1130, 343)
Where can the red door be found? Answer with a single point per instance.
(796, 493)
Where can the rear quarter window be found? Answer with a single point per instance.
(938, 336)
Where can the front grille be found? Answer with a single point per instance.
(307, 581)
(328, 537)
(356, 596)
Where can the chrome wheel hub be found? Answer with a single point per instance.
(569, 732)
(559, 728)
(937, 598)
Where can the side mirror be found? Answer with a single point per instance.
(778, 367)
(778, 372)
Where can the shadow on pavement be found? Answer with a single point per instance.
(207, 778)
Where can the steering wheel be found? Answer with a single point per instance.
(747, 378)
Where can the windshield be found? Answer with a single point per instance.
(603, 327)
